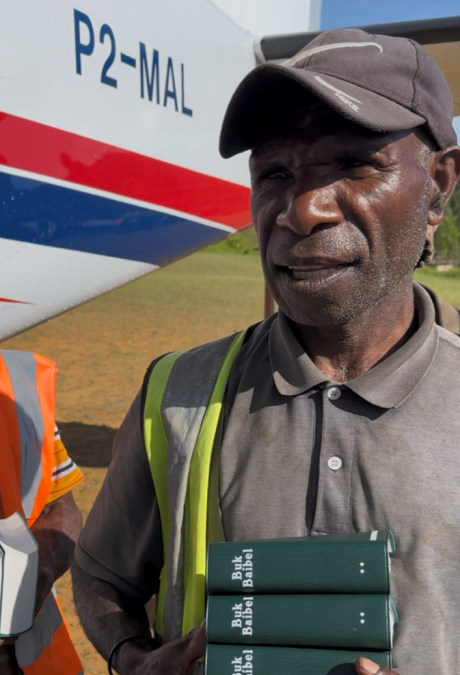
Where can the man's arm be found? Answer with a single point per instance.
(56, 531)
(118, 562)
(108, 616)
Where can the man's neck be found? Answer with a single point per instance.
(344, 352)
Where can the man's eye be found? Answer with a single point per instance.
(354, 164)
(275, 174)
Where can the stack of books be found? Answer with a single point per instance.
(300, 606)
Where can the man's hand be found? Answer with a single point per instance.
(44, 585)
(368, 667)
(175, 658)
(56, 530)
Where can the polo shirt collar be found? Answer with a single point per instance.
(386, 385)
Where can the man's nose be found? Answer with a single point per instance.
(309, 210)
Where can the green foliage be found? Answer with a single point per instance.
(447, 236)
(241, 243)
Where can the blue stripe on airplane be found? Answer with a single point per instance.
(40, 213)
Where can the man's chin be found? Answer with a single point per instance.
(319, 318)
(321, 307)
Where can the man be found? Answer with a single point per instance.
(36, 479)
(338, 414)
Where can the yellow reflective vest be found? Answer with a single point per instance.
(183, 405)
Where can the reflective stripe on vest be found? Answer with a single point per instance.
(47, 647)
(27, 403)
(27, 397)
(183, 404)
(46, 623)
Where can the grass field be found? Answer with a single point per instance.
(446, 284)
(104, 347)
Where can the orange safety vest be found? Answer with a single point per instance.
(27, 397)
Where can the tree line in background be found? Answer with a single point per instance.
(447, 236)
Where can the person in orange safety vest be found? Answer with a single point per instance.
(36, 479)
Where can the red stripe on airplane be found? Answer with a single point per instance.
(42, 149)
(19, 302)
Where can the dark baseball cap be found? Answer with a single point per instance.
(379, 82)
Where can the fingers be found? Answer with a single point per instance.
(197, 646)
(367, 667)
(8, 640)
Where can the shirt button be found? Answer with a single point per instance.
(334, 393)
(334, 463)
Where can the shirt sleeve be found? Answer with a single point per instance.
(122, 540)
(66, 474)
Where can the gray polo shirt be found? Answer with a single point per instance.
(303, 455)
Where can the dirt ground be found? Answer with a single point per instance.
(104, 347)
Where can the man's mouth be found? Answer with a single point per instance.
(301, 272)
(315, 274)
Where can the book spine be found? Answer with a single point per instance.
(239, 660)
(354, 621)
(319, 566)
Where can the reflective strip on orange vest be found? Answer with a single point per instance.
(10, 447)
(30, 645)
(47, 648)
(22, 371)
(27, 403)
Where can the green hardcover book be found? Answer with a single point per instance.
(238, 660)
(348, 563)
(354, 621)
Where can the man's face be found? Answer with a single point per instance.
(341, 215)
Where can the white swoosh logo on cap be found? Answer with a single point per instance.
(324, 48)
(345, 98)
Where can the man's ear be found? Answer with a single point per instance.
(428, 251)
(445, 172)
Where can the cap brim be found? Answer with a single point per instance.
(261, 98)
